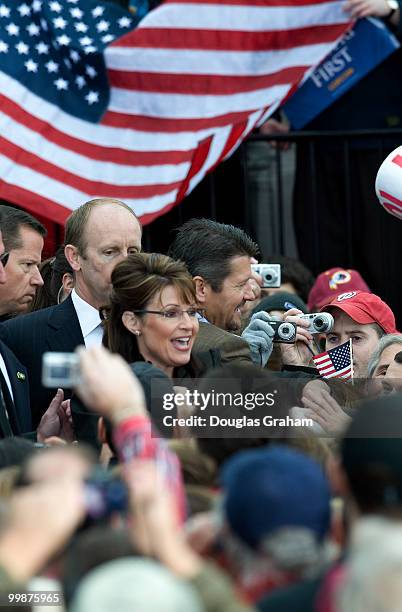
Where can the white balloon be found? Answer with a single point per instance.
(388, 184)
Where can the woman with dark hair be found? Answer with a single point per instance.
(62, 281)
(58, 281)
(153, 315)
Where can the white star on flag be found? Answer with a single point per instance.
(98, 11)
(59, 23)
(22, 48)
(24, 10)
(75, 56)
(92, 97)
(91, 72)
(51, 66)
(42, 48)
(31, 66)
(55, 6)
(63, 40)
(80, 80)
(13, 29)
(81, 27)
(4, 11)
(85, 40)
(61, 84)
(102, 26)
(76, 13)
(33, 29)
(124, 22)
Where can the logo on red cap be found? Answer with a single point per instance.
(346, 296)
(340, 277)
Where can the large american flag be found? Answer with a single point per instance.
(91, 105)
(337, 362)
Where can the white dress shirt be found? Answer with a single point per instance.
(6, 376)
(201, 319)
(89, 319)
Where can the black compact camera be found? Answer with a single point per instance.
(284, 332)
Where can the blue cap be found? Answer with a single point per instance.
(274, 487)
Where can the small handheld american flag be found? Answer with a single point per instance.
(337, 362)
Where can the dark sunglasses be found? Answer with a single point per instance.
(4, 258)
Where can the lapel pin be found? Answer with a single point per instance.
(20, 375)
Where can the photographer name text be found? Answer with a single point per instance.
(198, 421)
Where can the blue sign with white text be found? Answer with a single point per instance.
(357, 53)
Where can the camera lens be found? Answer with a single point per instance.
(286, 332)
(319, 323)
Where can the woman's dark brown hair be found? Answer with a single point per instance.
(52, 271)
(136, 281)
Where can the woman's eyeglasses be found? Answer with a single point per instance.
(4, 258)
(174, 313)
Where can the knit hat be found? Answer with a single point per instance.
(272, 488)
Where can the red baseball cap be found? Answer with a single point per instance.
(364, 308)
(330, 283)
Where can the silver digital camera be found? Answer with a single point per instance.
(271, 274)
(320, 322)
(284, 332)
(60, 370)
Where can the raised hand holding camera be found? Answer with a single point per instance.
(300, 351)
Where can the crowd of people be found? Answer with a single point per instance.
(175, 433)
(117, 491)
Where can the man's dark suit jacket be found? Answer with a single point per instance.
(29, 336)
(20, 413)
